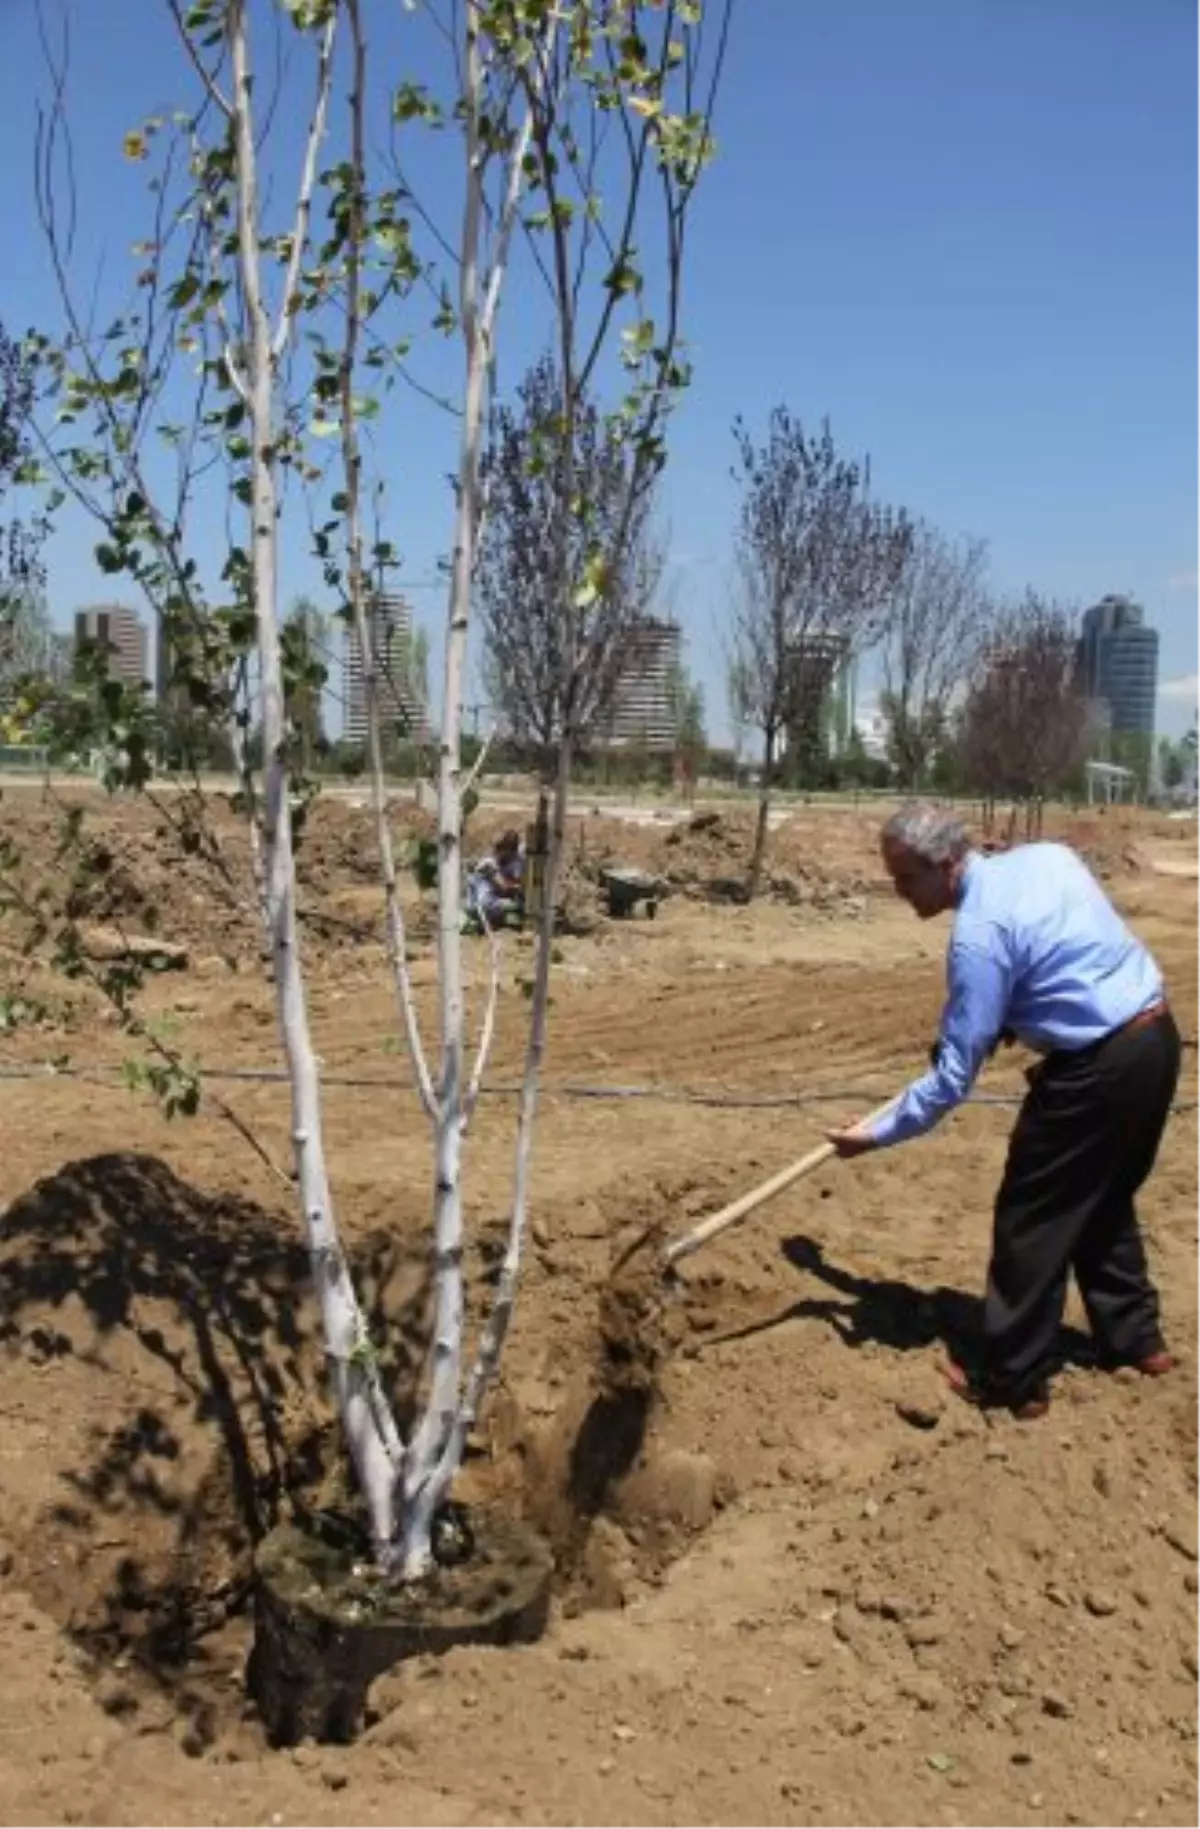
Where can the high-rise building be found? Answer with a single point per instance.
(642, 710)
(1118, 665)
(400, 694)
(121, 631)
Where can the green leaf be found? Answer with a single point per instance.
(412, 102)
(183, 291)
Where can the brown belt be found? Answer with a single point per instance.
(1144, 1018)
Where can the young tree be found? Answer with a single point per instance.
(818, 561)
(230, 286)
(552, 646)
(1025, 716)
(936, 622)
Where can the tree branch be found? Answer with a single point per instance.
(308, 174)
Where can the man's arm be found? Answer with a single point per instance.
(976, 1005)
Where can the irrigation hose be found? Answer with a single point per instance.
(664, 1094)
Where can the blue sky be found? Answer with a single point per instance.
(964, 229)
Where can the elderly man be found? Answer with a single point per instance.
(1038, 954)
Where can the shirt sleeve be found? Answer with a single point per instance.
(979, 986)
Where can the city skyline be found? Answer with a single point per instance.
(988, 400)
(1116, 619)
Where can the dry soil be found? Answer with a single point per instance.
(798, 1582)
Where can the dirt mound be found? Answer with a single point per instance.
(708, 858)
(184, 1313)
(821, 864)
(179, 1327)
(208, 1422)
(339, 846)
(180, 869)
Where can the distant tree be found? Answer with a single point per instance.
(303, 637)
(856, 768)
(1188, 746)
(936, 621)
(24, 623)
(1025, 719)
(685, 699)
(1134, 750)
(1172, 763)
(27, 641)
(740, 700)
(552, 656)
(818, 562)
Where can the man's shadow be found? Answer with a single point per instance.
(891, 1313)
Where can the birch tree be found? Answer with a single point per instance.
(260, 351)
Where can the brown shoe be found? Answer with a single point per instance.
(1151, 1365)
(962, 1384)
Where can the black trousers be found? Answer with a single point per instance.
(1085, 1141)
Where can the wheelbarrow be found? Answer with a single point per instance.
(624, 889)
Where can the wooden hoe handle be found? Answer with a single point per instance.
(766, 1190)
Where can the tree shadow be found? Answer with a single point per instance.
(206, 1407)
(889, 1312)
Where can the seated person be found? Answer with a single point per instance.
(494, 887)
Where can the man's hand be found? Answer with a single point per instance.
(855, 1140)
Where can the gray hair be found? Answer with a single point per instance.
(928, 832)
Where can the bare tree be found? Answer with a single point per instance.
(552, 649)
(1025, 718)
(937, 619)
(818, 561)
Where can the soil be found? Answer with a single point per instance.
(797, 1580)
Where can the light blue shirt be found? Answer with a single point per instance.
(1039, 949)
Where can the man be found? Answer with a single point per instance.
(494, 893)
(1038, 954)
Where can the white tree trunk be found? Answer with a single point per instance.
(436, 1449)
(371, 1432)
(491, 1345)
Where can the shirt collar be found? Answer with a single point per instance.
(972, 864)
